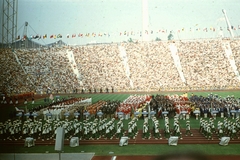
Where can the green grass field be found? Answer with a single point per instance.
(131, 149)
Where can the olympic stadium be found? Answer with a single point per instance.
(145, 93)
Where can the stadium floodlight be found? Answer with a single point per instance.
(9, 21)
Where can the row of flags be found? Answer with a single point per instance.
(125, 33)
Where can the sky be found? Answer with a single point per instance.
(106, 21)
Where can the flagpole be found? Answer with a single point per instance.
(178, 35)
(145, 21)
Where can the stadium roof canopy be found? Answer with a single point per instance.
(57, 43)
(30, 44)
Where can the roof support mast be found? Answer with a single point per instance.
(228, 23)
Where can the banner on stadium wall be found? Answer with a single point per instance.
(89, 100)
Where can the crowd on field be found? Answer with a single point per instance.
(100, 127)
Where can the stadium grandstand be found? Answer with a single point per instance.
(209, 64)
(97, 87)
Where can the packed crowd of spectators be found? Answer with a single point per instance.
(48, 68)
(142, 66)
(101, 67)
(13, 79)
(204, 65)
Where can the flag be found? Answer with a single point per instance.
(51, 36)
(51, 97)
(67, 35)
(44, 36)
(146, 32)
(37, 36)
(54, 36)
(73, 35)
(24, 38)
(80, 35)
(132, 111)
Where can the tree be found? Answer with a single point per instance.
(157, 39)
(170, 36)
(130, 40)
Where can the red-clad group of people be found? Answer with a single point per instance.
(181, 104)
(133, 102)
